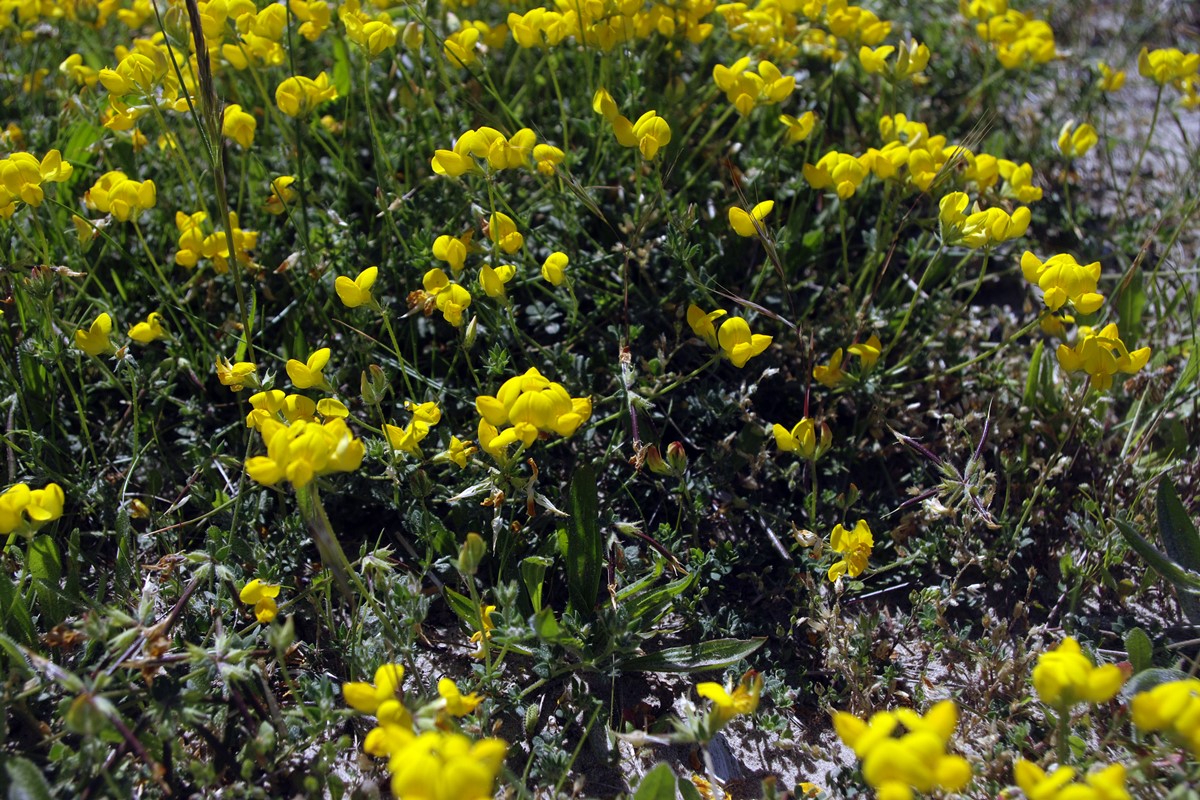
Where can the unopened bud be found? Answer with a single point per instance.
(471, 553)
(677, 458)
(471, 334)
(175, 25)
(420, 484)
(372, 385)
(654, 461)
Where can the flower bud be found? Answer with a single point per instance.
(471, 333)
(677, 458)
(372, 385)
(471, 553)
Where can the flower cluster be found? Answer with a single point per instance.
(911, 60)
(298, 96)
(288, 408)
(24, 510)
(1103, 783)
(117, 194)
(1064, 676)
(408, 439)
(1064, 280)
(855, 548)
(832, 374)
(1173, 708)
(979, 228)
(649, 134)
(1020, 41)
(302, 450)
(747, 89)
(734, 339)
(531, 405)
(426, 760)
(22, 177)
(917, 759)
(195, 243)
(1101, 354)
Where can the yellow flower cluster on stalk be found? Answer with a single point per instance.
(649, 134)
(298, 95)
(1074, 142)
(1100, 783)
(1101, 354)
(530, 405)
(195, 243)
(1020, 41)
(747, 89)
(1064, 676)
(117, 194)
(854, 545)
(604, 24)
(896, 765)
(832, 374)
(488, 145)
(426, 758)
(911, 60)
(374, 34)
(734, 339)
(236, 376)
(300, 451)
(23, 510)
(979, 228)
(22, 177)
(276, 405)
(408, 439)
(1172, 708)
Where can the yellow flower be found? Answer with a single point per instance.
(236, 376)
(854, 545)
(282, 194)
(896, 765)
(457, 703)
(357, 291)
(841, 172)
(1172, 707)
(1063, 280)
(478, 637)
(802, 439)
(449, 298)
(702, 324)
(367, 698)
(738, 343)
(531, 404)
(831, 374)
(494, 279)
(452, 250)
(798, 128)
(458, 453)
(238, 125)
(1064, 676)
(749, 224)
(302, 450)
(554, 268)
(24, 510)
(726, 703)
(547, 157)
(867, 352)
(503, 231)
(1075, 142)
(262, 597)
(446, 766)
(124, 198)
(148, 331)
(298, 95)
(94, 341)
(1101, 355)
(308, 374)
(1111, 80)
(1107, 783)
(1167, 65)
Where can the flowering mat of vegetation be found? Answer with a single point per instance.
(658, 398)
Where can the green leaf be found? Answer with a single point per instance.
(1140, 649)
(462, 606)
(688, 790)
(715, 654)
(1031, 380)
(1190, 372)
(585, 547)
(25, 780)
(45, 564)
(1182, 578)
(15, 611)
(1130, 307)
(1176, 527)
(533, 574)
(654, 604)
(341, 66)
(658, 784)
